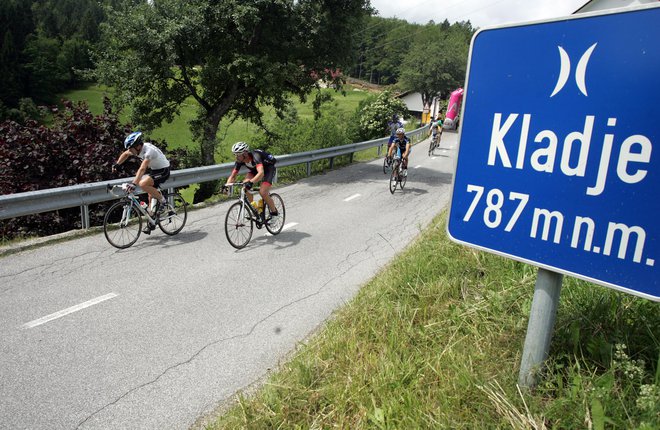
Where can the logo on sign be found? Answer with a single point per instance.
(580, 71)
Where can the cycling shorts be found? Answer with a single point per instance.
(269, 174)
(159, 175)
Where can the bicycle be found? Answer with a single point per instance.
(387, 164)
(242, 217)
(399, 174)
(122, 224)
(435, 143)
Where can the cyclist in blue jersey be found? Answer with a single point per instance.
(403, 147)
(393, 125)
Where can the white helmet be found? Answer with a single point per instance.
(401, 130)
(240, 147)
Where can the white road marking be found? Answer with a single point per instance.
(68, 311)
(354, 196)
(418, 166)
(289, 225)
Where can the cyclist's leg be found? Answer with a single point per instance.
(147, 184)
(264, 189)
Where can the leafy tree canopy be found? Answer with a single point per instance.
(230, 56)
(436, 64)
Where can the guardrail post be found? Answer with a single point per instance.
(332, 162)
(309, 168)
(350, 158)
(84, 216)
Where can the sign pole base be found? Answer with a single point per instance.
(540, 326)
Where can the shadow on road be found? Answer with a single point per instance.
(285, 239)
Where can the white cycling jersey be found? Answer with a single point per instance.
(157, 159)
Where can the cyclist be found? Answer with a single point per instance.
(435, 127)
(154, 170)
(261, 166)
(393, 125)
(402, 143)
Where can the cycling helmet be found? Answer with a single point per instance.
(401, 130)
(240, 147)
(133, 139)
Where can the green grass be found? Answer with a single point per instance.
(434, 341)
(177, 133)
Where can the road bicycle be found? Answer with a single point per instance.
(242, 217)
(435, 143)
(387, 164)
(122, 223)
(399, 174)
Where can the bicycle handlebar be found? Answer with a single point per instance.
(230, 187)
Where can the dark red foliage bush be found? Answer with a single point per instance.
(77, 148)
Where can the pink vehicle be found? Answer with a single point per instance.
(453, 109)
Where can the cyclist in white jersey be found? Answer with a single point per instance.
(153, 171)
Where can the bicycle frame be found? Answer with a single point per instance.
(254, 215)
(135, 203)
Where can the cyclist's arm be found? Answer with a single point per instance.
(123, 157)
(141, 171)
(232, 177)
(260, 174)
(405, 155)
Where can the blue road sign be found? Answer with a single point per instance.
(559, 155)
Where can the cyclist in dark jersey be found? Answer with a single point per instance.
(261, 167)
(402, 144)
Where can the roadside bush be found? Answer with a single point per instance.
(375, 112)
(77, 148)
(331, 128)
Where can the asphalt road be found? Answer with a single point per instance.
(159, 335)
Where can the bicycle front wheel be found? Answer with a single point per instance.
(238, 226)
(122, 224)
(394, 177)
(403, 179)
(174, 216)
(432, 146)
(276, 227)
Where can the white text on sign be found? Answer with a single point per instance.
(634, 149)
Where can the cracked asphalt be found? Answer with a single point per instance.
(194, 320)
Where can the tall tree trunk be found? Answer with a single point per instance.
(208, 145)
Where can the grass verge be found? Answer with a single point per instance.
(434, 341)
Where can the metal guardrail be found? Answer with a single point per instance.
(83, 195)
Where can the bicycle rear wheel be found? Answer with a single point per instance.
(122, 224)
(276, 227)
(174, 216)
(394, 177)
(238, 226)
(433, 145)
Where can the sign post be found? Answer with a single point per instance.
(559, 156)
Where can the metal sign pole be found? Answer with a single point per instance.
(540, 326)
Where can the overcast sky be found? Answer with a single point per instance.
(481, 13)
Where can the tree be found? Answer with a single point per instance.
(437, 62)
(374, 113)
(230, 56)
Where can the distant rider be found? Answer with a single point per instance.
(393, 125)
